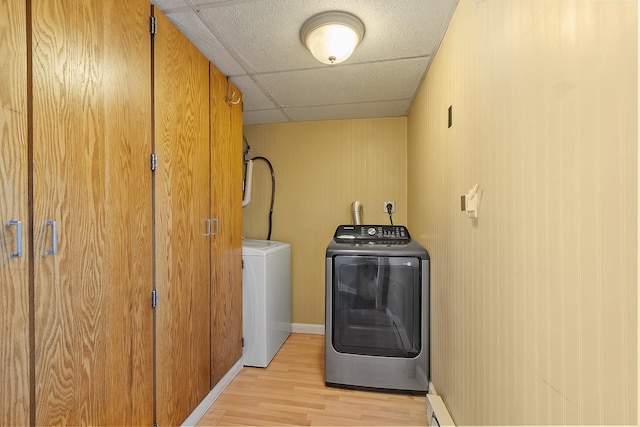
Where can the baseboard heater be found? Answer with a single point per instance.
(437, 412)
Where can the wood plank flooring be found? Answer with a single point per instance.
(291, 391)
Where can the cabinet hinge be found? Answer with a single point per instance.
(154, 298)
(154, 161)
(242, 341)
(243, 264)
(153, 25)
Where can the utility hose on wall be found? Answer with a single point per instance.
(249, 177)
(273, 192)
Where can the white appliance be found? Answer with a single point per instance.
(266, 293)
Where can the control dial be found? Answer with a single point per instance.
(371, 231)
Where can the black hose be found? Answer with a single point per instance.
(273, 192)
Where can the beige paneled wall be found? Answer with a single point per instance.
(535, 302)
(321, 168)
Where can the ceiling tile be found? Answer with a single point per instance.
(263, 116)
(207, 2)
(350, 111)
(347, 84)
(253, 96)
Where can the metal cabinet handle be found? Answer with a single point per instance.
(215, 233)
(54, 238)
(18, 252)
(208, 233)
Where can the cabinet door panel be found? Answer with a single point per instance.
(14, 280)
(181, 99)
(91, 145)
(226, 254)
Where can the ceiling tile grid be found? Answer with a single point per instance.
(257, 44)
(376, 81)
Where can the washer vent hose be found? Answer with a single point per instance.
(356, 212)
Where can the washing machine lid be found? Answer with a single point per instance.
(411, 249)
(377, 240)
(374, 234)
(262, 247)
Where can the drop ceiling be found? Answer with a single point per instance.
(256, 43)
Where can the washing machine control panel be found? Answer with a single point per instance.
(372, 234)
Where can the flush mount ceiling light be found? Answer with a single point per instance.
(332, 36)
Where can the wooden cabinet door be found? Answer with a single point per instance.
(92, 212)
(14, 267)
(182, 219)
(226, 206)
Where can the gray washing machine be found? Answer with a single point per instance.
(377, 309)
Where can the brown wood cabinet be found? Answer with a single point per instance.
(89, 232)
(14, 217)
(226, 207)
(198, 202)
(183, 223)
(92, 234)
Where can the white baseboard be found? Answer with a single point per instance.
(206, 403)
(436, 410)
(432, 389)
(305, 328)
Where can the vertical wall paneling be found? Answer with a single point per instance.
(534, 302)
(321, 168)
(91, 142)
(182, 202)
(14, 270)
(226, 208)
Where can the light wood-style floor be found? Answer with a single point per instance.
(291, 391)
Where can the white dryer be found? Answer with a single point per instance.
(266, 293)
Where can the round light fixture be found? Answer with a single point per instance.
(332, 36)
